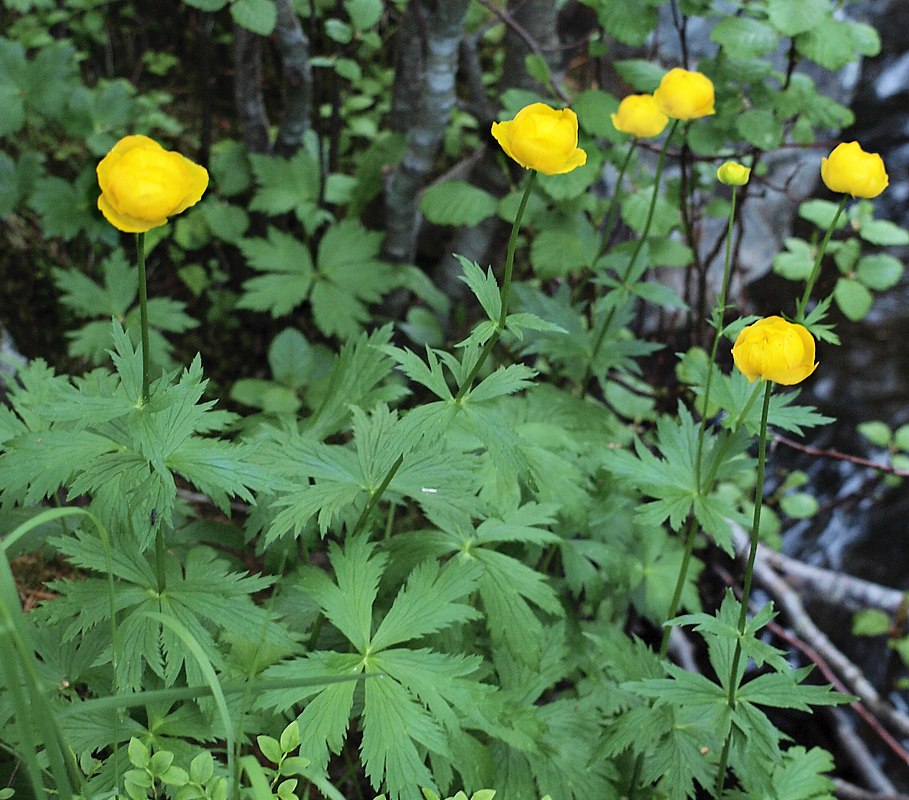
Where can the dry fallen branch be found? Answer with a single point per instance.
(846, 791)
(837, 588)
(852, 677)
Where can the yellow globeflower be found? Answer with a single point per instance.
(775, 350)
(639, 115)
(733, 174)
(850, 170)
(685, 95)
(142, 184)
(542, 139)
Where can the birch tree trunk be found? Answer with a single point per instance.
(444, 26)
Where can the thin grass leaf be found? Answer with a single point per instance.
(212, 680)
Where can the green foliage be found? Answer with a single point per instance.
(409, 561)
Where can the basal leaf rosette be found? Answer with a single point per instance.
(639, 115)
(774, 349)
(850, 170)
(142, 184)
(542, 139)
(683, 94)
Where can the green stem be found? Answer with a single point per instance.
(484, 354)
(505, 293)
(143, 312)
(690, 538)
(816, 269)
(718, 315)
(718, 311)
(626, 274)
(160, 555)
(376, 496)
(614, 201)
(724, 447)
(746, 585)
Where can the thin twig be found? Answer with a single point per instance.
(837, 455)
(851, 676)
(532, 44)
(846, 791)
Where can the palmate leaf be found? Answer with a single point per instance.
(396, 723)
(393, 723)
(441, 682)
(347, 601)
(289, 273)
(427, 603)
(326, 717)
(355, 379)
(349, 276)
(202, 594)
(507, 588)
(36, 465)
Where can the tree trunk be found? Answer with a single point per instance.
(248, 97)
(297, 83)
(444, 28)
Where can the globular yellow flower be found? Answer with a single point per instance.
(733, 174)
(142, 184)
(774, 349)
(542, 139)
(850, 170)
(685, 95)
(639, 115)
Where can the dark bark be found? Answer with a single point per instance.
(444, 28)
(406, 93)
(248, 97)
(532, 30)
(297, 79)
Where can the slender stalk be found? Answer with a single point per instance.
(160, 555)
(376, 496)
(746, 585)
(718, 315)
(690, 537)
(718, 312)
(614, 201)
(816, 269)
(626, 274)
(505, 293)
(143, 312)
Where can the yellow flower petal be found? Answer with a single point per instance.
(685, 95)
(774, 349)
(142, 184)
(542, 139)
(639, 115)
(850, 170)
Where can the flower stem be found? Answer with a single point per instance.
(626, 274)
(746, 584)
(505, 292)
(143, 312)
(614, 201)
(816, 269)
(376, 496)
(718, 314)
(160, 555)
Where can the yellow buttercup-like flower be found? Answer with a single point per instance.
(542, 139)
(850, 170)
(733, 174)
(142, 184)
(685, 95)
(639, 115)
(774, 349)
